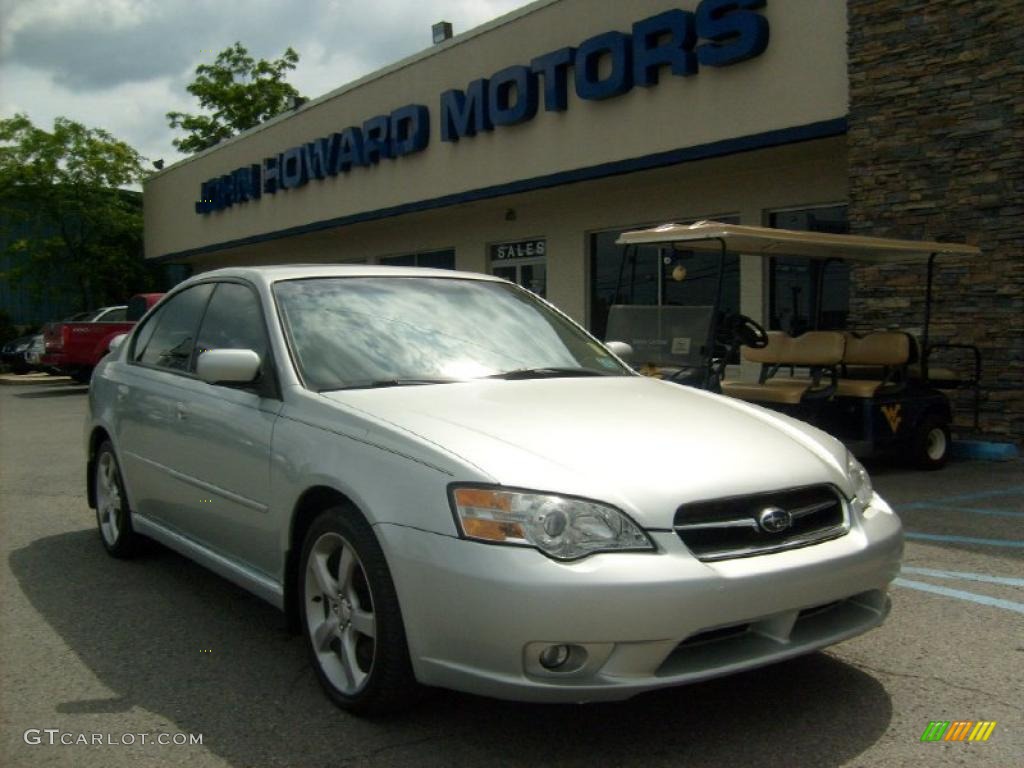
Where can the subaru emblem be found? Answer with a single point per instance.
(774, 520)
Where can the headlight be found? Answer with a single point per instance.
(861, 482)
(560, 527)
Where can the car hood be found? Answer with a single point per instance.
(644, 445)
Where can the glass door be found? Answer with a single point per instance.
(523, 263)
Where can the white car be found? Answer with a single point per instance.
(443, 480)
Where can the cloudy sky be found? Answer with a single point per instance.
(122, 64)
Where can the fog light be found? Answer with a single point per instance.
(554, 656)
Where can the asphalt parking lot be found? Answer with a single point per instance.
(159, 646)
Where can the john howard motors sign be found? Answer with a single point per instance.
(677, 42)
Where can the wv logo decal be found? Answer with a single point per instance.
(958, 730)
(892, 415)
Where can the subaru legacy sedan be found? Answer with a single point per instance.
(442, 480)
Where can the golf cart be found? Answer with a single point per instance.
(877, 392)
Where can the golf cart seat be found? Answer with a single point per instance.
(873, 363)
(820, 352)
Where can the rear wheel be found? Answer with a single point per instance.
(930, 443)
(112, 515)
(81, 375)
(350, 616)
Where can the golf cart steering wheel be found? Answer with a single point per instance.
(746, 331)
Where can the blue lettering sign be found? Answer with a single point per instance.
(271, 175)
(555, 68)
(293, 172)
(614, 46)
(738, 33)
(465, 113)
(513, 96)
(664, 40)
(319, 156)
(604, 66)
(247, 183)
(410, 130)
(376, 139)
(350, 150)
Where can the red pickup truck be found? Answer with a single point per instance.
(74, 348)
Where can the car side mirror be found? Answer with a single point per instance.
(115, 343)
(620, 349)
(228, 366)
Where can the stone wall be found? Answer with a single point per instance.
(936, 151)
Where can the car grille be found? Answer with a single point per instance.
(720, 529)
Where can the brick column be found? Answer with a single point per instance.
(936, 151)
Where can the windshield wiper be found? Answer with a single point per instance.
(382, 383)
(546, 373)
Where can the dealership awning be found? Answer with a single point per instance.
(764, 241)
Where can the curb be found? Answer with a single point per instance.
(986, 451)
(27, 379)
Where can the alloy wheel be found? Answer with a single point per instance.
(108, 498)
(339, 611)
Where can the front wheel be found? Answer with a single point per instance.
(930, 443)
(112, 515)
(350, 616)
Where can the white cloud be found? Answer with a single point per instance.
(122, 64)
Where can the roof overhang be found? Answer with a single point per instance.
(764, 241)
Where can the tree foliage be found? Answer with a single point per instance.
(66, 221)
(238, 92)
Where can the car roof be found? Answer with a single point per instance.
(279, 272)
(766, 241)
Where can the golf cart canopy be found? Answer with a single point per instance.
(763, 241)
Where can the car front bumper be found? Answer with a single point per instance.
(477, 616)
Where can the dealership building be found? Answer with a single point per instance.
(524, 147)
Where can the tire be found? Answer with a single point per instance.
(350, 617)
(930, 444)
(113, 517)
(81, 375)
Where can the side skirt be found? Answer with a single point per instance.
(248, 579)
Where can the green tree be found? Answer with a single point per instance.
(238, 92)
(67, 224)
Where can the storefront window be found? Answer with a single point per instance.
(807, 294)
(656, 276)
(434, 259)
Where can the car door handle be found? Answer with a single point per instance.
(181, 411)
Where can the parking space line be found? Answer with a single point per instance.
(1012, 491)
(914, 535)
(963, 576)
(949, 508)
(959, 594)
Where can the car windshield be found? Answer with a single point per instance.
(391, 331)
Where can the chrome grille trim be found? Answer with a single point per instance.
(800, 541)
(749, 522)
(737, 532)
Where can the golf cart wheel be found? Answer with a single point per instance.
(931, 443)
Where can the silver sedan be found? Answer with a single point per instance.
(444, 481)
